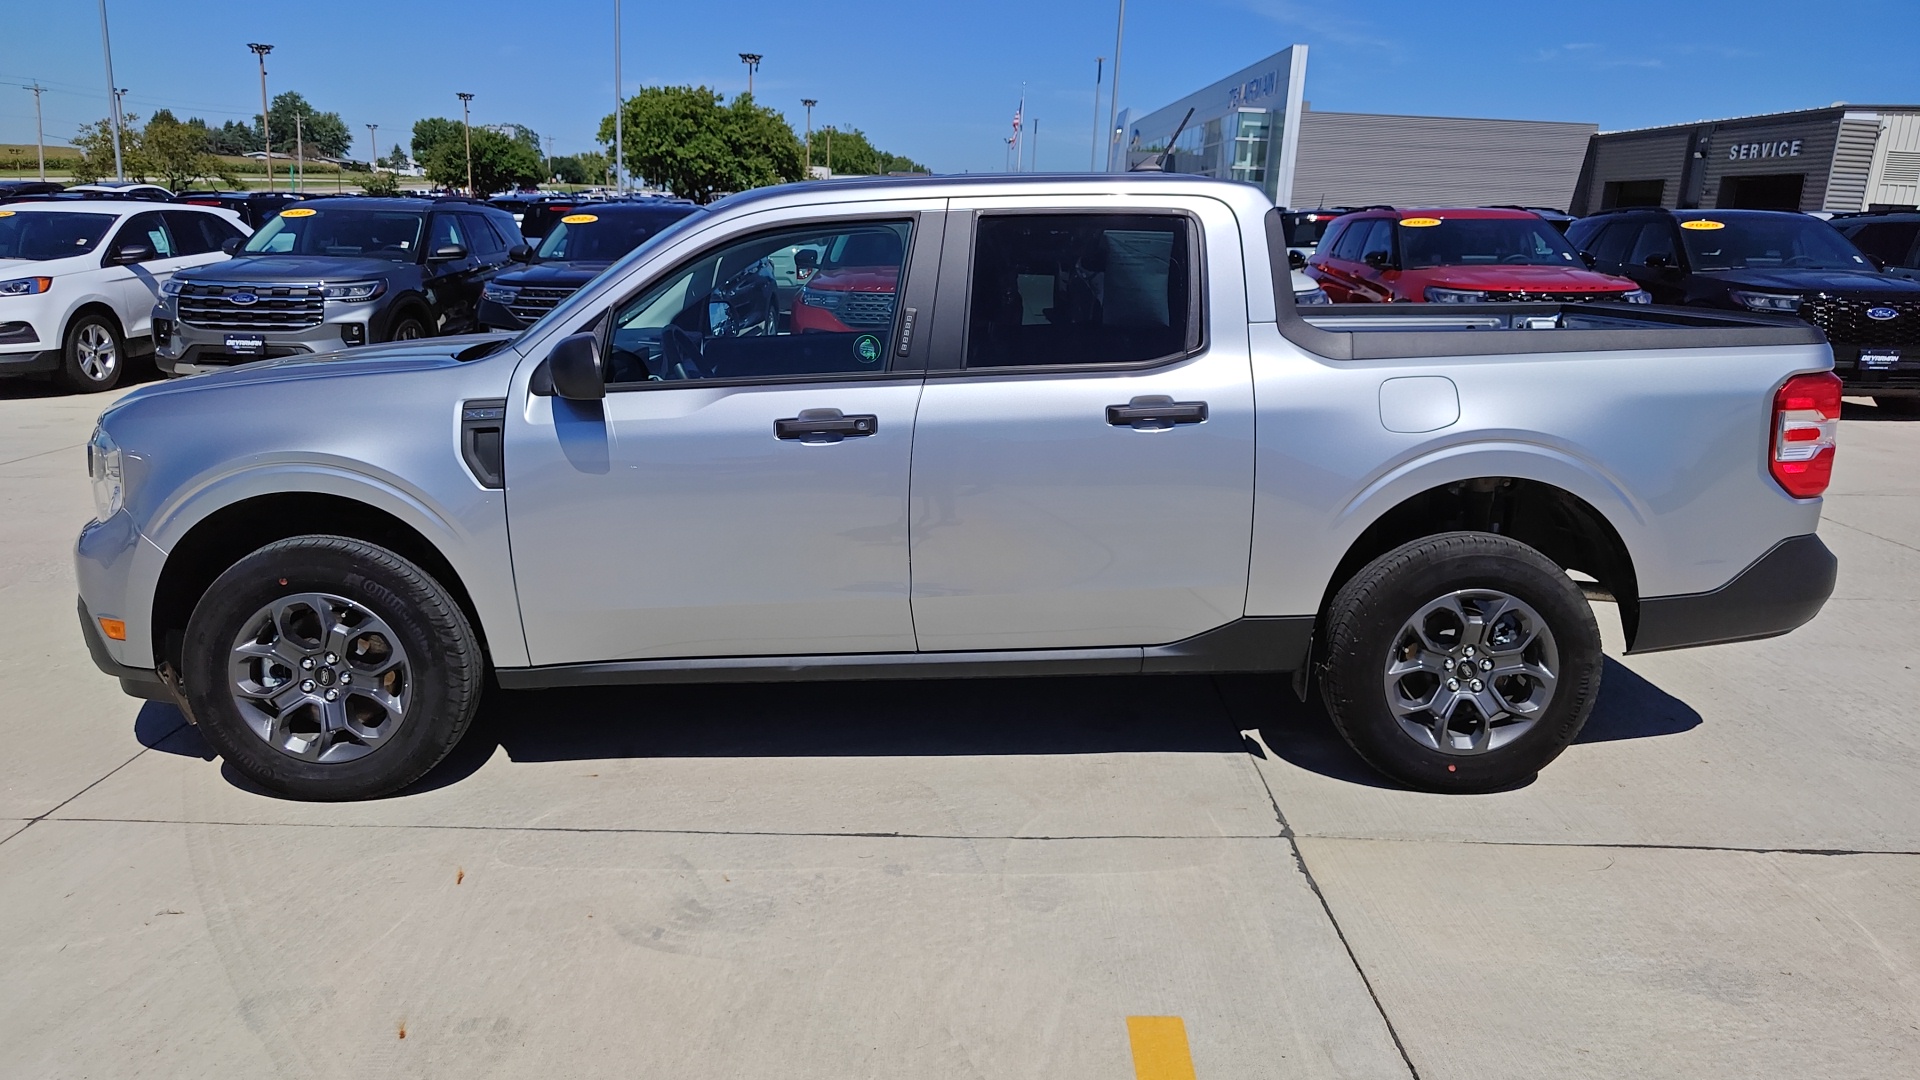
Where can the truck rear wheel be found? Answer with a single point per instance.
(327, 668)
(1461, 662)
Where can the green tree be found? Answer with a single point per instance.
(235, 138)
(428, 134)
(684, 138)
(582, 169)
(95, 143)
(380, 183)
(180, 153)
(499, 162)
(397, 159)
(322, 134)
(850, 152)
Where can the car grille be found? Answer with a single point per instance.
(276, 307)
(1503, 297)
(866, 310)
(534, 302)
(1844, 319)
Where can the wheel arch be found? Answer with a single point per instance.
(408, 302)
(228, 534)
(88, 307)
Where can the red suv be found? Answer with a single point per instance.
(1456, 257)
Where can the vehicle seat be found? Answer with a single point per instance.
(872, 249)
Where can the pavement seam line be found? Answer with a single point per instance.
(38, 818)
(1300, 864)
(1866, 532)
(638, 831)
(1601, 845)
(41, 454)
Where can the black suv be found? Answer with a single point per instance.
(1771, 261)
(256, 208)
(334, 273)
(1890, 238)
(581, 245)
(12, 190)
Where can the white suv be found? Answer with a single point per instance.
(79, 278)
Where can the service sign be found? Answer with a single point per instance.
(1754, 151)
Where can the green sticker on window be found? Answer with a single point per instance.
(866, 348)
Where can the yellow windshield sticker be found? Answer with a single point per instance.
(1702, 223)
(6, 213)
(1420, 222)
(578, 219)
(298, 211)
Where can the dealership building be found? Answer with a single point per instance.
(1840, 158)
(1257, 126)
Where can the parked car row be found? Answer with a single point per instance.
(1773, 262)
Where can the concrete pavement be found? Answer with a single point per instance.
(939, 879)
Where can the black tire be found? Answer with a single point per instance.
(84, 369)
(408, 325)
(1903, 406)
(1365, 626)
(443, 675)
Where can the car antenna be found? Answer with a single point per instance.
(1158, 162)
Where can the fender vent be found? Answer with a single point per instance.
(482, 428)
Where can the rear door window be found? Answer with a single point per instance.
(1379, 241)
(1653, 240)
(1610, 246)
(1081, 289)
(1889, 241)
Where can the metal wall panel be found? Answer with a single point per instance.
(1660, 154)
(1853, 153)
(1357, 159)
(1896, 162)
(1817, 135)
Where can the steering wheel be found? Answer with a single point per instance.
(1801, 260)
(1515, 260)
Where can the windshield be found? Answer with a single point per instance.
(303, 230)
(1483, 242)
(39, 237)
(588, 237)
(590, 293)
(1739, 242)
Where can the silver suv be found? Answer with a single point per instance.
(328, 274)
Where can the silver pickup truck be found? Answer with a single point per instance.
(1035, 426)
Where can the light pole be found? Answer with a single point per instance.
(1113, 106)
(549, 158)
(373, 145)
(1033, 159)
(266, 128)
(752, 60)
(113, 99)
(1093, 153)
(39, 135)
(619, 150)
(809, 102)
(466, 121)
(299, 152)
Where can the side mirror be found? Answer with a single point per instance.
(1588, 258)
(574, 367)
(806, 259)
(1659, 262)
(1295, 260)
(1376, 259)
(448, 253)
(520, 253)
(233, 244)
(1878, 262)
(134, 252)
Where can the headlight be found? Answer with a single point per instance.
(824, 299)
(1760, 301)
(1454, 296)
(172, 287)
(1312, 296)
(501, 294)
(103, 467)
(26, 286)
(354, 291)
(1637, 296)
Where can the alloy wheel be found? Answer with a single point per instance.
(1471, 672)
(98, 356)
(320, 678)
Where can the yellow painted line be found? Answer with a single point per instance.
(1159, 1048)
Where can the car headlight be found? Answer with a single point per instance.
(1437, 295)
(1312, 296)
(501, 294)
(1637, 296)
(172, 287)
(354, 291)
(26, 286)
(1760, 301)
(824, 299)
(104, 468)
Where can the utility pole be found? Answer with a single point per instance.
(549, 139)
(752, 60)
(466, 121)
(1033, 159)
(829, 151)
(39, 135)
(266, 127)
(1113, 106)
(619, 149)
(1093, 154)
(809, 102)
(373, 144)
(113, 99)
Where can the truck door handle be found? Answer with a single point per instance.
(825, 425)
(1156, 412)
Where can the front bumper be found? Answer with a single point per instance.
(27, 363)
(1782, 590)
(1901, 380)
(185, 349)
(134, 682)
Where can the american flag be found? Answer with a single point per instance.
(1018, 109)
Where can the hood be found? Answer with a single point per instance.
(1522, 279)
(856, 279)
(295, 268)
(560, 273)
(1786, 279)
(362, 362)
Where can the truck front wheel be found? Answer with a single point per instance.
(1460, 662)
(327, 668)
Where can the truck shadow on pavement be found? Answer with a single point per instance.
(933, 718)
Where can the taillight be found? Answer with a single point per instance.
(1806, 419)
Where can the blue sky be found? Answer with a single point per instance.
(938, 81)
